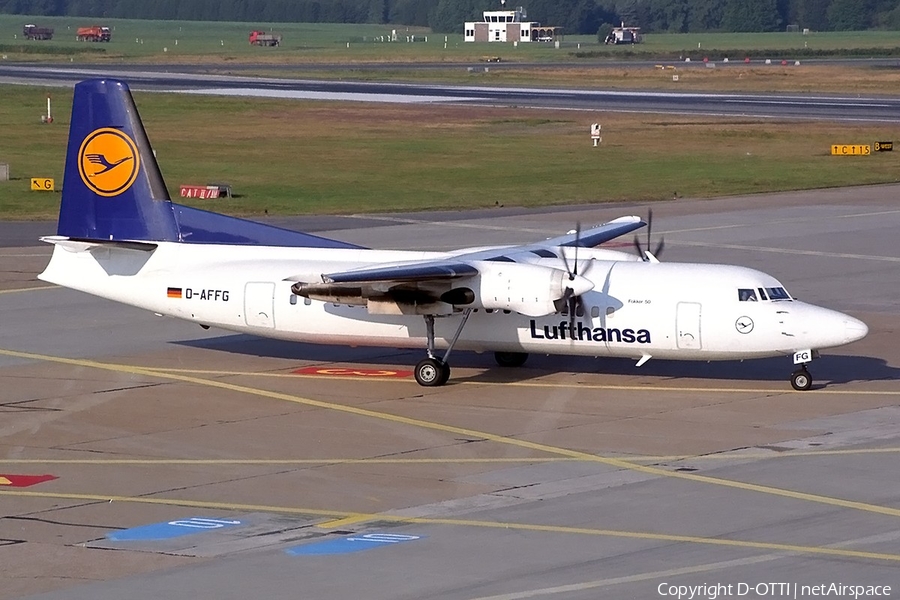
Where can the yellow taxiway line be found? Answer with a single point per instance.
(30, 289)
(472, 433)
(527, 384)
(339, 517)
(426, 461)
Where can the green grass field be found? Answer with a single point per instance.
(289, 157)
(226, 42)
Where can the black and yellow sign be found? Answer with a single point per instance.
(884, 146)
(850, 149)
(108, 161)
(42, 184)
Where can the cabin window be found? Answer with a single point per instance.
(579, 310)
(778, 293)
(595, 311)
(747, 295)
(293, 299)
(307, 301)
(610, 311)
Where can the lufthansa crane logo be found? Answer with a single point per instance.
(108, 161)
(744, 325)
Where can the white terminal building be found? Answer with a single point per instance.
(509, 26)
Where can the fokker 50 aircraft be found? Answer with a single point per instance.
(120, 237)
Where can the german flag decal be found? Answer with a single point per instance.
(173, 292)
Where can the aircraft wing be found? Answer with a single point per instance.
(511, 272)
(461, 265)
(417, 271)
(595, 236)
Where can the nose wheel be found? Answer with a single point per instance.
(801, 380)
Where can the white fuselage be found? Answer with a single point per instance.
(636, 309)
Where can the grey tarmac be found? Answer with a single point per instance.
(565, 478)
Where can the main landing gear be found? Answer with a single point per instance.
(433, 371)
(510, 359)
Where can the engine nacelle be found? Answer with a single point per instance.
(528, 289)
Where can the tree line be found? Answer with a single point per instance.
(448, 16)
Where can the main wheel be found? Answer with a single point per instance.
(801, 380)
(510, 359)
(432, 372)
(445, 373)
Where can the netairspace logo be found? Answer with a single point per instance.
(772, 590)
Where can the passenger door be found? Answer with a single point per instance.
(259, 304)
(687, 324)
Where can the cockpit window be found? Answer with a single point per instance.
(764, 294)
(778, 293)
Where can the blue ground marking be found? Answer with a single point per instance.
(171, 529)
(355, 543)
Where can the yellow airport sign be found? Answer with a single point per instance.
(42, 184)
(850, 149)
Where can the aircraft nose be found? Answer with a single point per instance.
(854, 329)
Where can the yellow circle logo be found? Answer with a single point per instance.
(108, 161)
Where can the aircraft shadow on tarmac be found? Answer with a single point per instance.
(828, 370)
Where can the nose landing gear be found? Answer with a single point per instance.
(801, 380)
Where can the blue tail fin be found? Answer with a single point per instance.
(113, 189)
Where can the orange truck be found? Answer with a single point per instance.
(95, 33)
(261, 38)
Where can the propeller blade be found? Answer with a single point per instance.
(649, 226)
(639, 247)
(577, 243)
(562, 252)
(659, 247)
(564, 301)
(587, 267)
(573, 306)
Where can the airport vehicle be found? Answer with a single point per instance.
(94, 33)
(261, 38)
(120, 237)
(33, 32)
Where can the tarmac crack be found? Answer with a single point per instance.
(63, 523)
(18, 406)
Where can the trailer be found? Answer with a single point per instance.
(94, 33)
(261, 38)
(33, 32)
